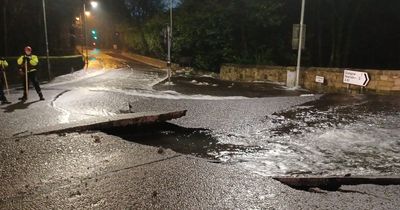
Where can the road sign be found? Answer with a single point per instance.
(320, 79)
(356, 78)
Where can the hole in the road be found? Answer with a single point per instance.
(193, 141)
(316, 184)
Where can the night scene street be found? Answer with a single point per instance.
(183, 104)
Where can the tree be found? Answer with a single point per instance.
(214, 32)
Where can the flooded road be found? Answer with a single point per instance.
(335, 135)
(263, 127)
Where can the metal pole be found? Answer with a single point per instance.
(47, 39)
(5, 27)
(303, 3)
(85, 35)
(170, 16)
(169, 32)
(169, 53)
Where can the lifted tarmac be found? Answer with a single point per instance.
(109, 122)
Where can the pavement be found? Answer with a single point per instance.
(98, 170)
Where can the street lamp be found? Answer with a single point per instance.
(94, 4)
(303, 3)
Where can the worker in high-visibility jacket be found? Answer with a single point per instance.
(31, 61)
(3, 67)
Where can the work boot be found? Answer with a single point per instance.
(41, 97)
(23, 98)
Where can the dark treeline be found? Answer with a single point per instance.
(340, 33)
(25, 26)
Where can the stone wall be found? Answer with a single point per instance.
(381, 81)
(247, 73)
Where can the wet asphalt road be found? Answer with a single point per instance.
(272, 132)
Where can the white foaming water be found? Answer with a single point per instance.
(74, 77)
(362, 148)
(173, 95)
(96, 111)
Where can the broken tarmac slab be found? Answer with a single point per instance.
(100, 123)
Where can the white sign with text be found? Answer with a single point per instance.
(320, 79)
(356, 78)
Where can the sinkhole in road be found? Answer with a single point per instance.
(193, 141)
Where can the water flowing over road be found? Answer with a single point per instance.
(262, 128)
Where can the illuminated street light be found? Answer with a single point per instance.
(77, 18)
(94, 4)
(87, 13)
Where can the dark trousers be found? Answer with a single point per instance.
(32, 78)
(2, 96)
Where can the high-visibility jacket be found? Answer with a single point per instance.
(32, 61)
(3, 64)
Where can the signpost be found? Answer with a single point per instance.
(356, 78)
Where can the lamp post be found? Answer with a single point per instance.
(46, 39)
(300, 44)
(169, 32)
(5, 26)
(85, 35)
(86, 14)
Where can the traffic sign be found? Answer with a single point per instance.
(356, 78)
